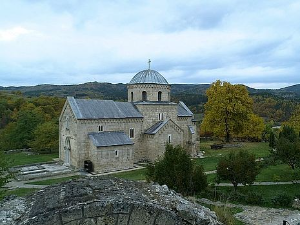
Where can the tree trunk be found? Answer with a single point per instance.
(293, 166)
(227, 134)
(235, 185)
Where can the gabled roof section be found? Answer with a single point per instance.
(183, 110)
(191, 129)
(110, 138)
(156, 127)
(102, 109)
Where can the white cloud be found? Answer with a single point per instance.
(13, 33)
(188, 42)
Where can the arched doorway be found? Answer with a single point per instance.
(67, 151)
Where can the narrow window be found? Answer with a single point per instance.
(131, 133)
(160, 116)
(169, 138)
(159, 96)
(116, 153)
(67, 123)
(100, 128)
(132, 96)
(144, 96)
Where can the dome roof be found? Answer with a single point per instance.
(148, 77)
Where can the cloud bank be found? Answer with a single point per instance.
(64, 42)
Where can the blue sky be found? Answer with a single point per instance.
(256, 43)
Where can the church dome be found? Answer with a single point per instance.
(148, 77)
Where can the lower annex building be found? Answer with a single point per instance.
(114, 135)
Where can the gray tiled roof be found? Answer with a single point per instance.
(183, 110)
(102, 109)
(191, 129)
(110, 138)
(154, 103)
(148, 77)
(156, 127)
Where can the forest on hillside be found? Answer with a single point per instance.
(29, 115)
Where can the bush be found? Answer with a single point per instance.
(237, 197)
(253, 198)
(224, 215)
(238, 167)
(199, 179)
(282, 200)
(177, 171)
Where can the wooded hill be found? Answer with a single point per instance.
(119, 91)
(273, 104)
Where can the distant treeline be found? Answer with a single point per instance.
(29, 122)
(29, 115)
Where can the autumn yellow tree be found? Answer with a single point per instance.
(229, 112)
(294, 121)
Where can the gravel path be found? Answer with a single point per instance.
(260, 215)
(24, 183)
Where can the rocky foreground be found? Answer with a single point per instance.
(108, 201)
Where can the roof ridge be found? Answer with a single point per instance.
(74, 107)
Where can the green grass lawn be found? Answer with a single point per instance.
(260, 149)
(208, 163)
(54, 181)
(20, 192)
(23, 158)
(212, 157)
(277, 173)
(139, 174)
(268, 192)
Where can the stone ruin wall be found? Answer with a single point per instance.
(104, 201)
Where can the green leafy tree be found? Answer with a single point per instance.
(228, 110)
(177, 171)
(288, 147)
(238, 168)
(272, 140)
(45, 137)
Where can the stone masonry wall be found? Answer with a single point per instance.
(111, 158)
(152, 92)
(68, 129)
(156, 143)
(87, 126)
(151, 111)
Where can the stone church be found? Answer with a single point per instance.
(114, 135)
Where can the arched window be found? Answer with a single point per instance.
(159, 96)
(132, 96)
(144, 96)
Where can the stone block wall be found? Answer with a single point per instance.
(156, 144)
(88, 126)
(68, 129)
(151, 90)
(151, 113)
(111, 158)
